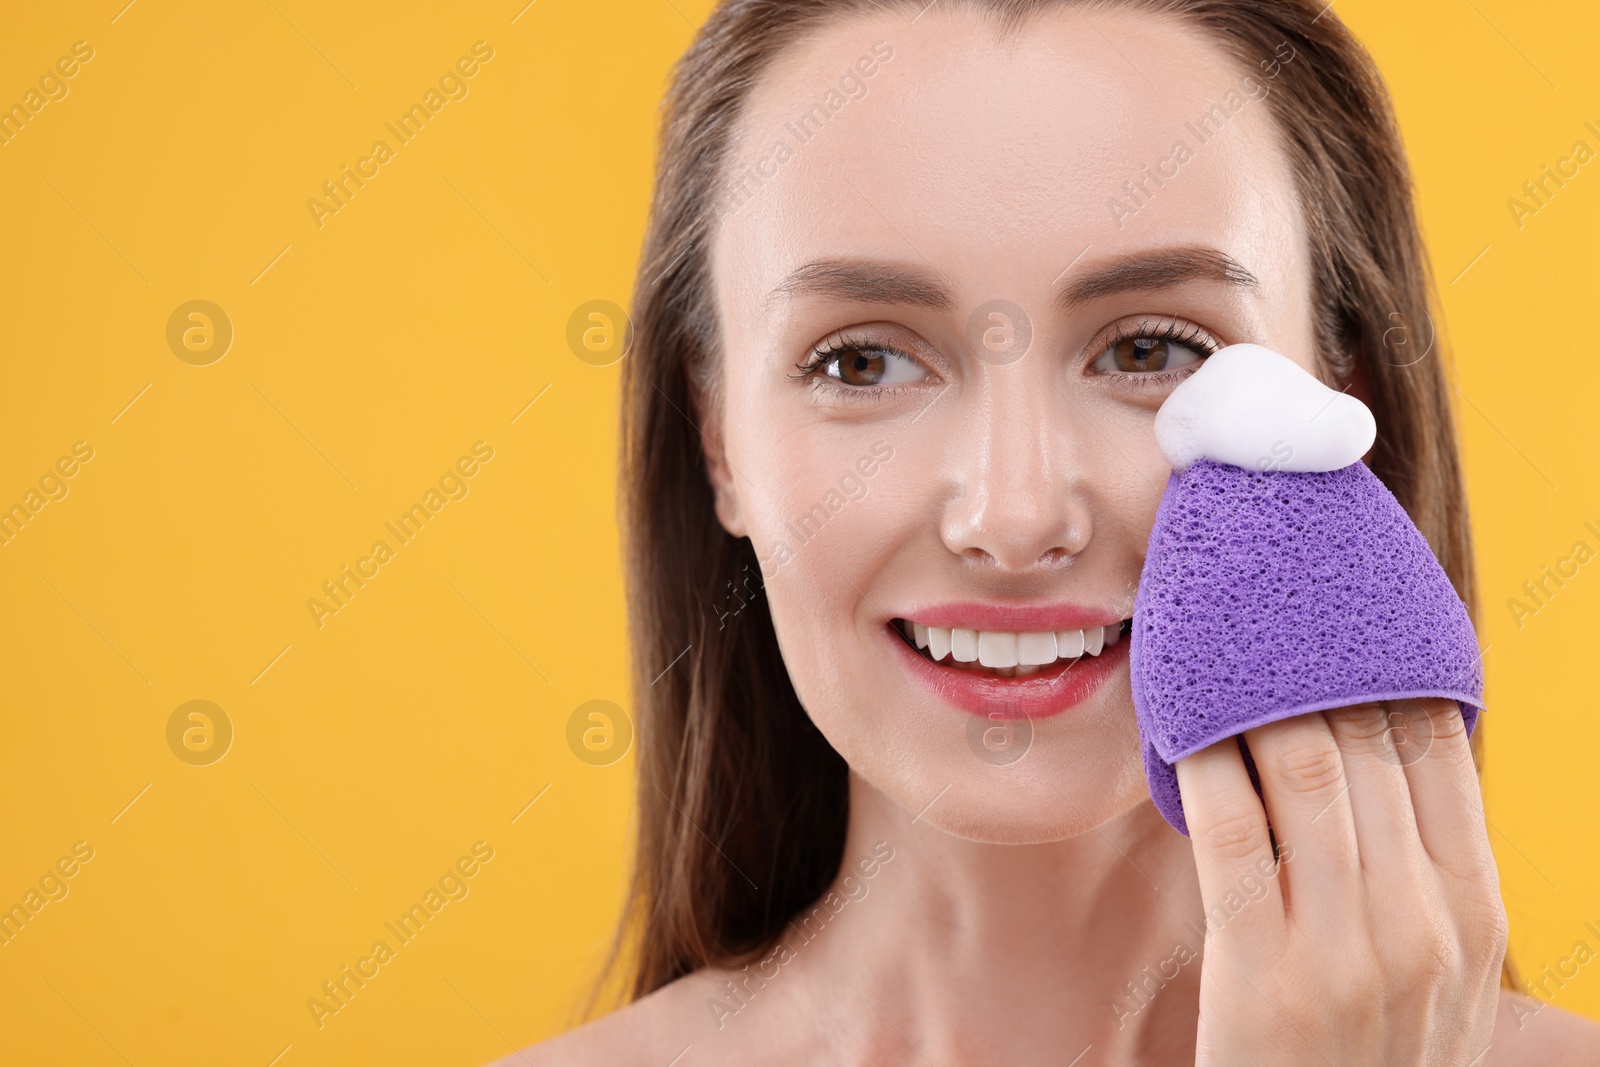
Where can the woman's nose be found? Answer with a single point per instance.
(1018, 501)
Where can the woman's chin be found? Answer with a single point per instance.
(981, 820)
(995, 780)
(1051, 800)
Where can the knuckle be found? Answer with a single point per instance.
(1311, 768)
(1440, 960)
(1450, 727)
(1369, 723)
(1428, 954)
(1439, 718)
(1234, 836)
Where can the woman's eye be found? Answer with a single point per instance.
(862, 366)
(1140, 355)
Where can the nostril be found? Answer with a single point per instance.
(1049, 559)
(1017, 536)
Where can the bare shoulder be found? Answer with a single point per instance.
(1532, 1032)
(651, 1030)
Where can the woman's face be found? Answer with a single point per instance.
(955, 279)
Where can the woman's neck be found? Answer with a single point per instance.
(1010, 953)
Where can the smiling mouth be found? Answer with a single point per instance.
(1008, 655)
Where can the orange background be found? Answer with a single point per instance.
(371, 754)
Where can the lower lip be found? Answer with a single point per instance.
(1049, 692)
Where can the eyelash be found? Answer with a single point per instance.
(814, 368)
(1172, 330)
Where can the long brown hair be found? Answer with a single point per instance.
(742, 803)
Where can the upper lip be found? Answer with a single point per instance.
(1011, 618)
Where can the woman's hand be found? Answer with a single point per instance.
(1381, 935)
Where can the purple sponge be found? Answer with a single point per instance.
(1268, 594)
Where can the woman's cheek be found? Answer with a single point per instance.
(824, 530)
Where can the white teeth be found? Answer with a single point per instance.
(1036, 649)
(1005, 654)
(997, 649)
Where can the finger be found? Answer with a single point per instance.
(1228, 829)
(1308, 799)
(1373, 743)
(1444, 787)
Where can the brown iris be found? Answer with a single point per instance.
(1136, 354)
(860, 366)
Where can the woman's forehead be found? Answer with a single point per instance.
(879, 136)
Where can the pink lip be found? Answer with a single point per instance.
(1036, 696)
(1022, 619)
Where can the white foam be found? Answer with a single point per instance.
(1251, 407)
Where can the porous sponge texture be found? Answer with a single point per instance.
(1268, 594)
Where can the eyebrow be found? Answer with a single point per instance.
(869, 281)
(1161, 268)
(875, 281)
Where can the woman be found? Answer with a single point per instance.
(917, 279)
